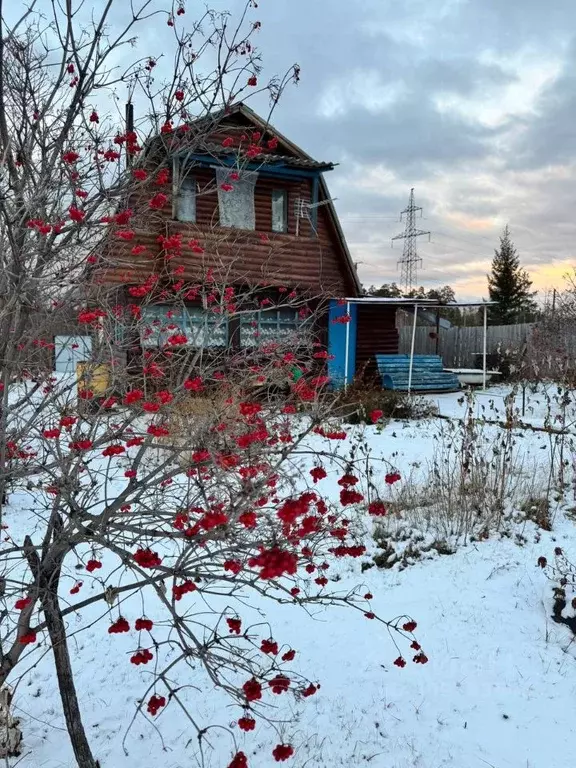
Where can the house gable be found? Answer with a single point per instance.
(311, 254)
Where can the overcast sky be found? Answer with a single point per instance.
(471, 102)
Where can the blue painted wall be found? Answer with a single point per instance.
(337, 343)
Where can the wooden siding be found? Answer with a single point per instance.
(376, 334)
(309, 260)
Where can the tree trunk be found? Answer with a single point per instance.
(57, 632)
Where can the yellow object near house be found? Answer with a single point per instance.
(95, 378)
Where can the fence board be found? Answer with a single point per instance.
(458, 346)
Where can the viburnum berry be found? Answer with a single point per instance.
(28, 638)
(420, 658)
(81, 445)
(155, 703)
(146, 558)
(392, 477)
(76, 588)
(348, 496)
(400, 662)
(113, 450)
(248, 519)
(70, 157)
(141, 657)
(376, 508)
(235, 625)
(318, 473)
(22, 603)
(310, 690)
(415, 646)
(289, 655)
(120, 625)
(542, 562)
(158, 430)
(269, 646)
(370, 615)
(235, 566)
(194, 385)
(246, 723)
(376, 415)
(143, 624)
(158, 201)
(51, 433)
(295, 591)
(239, 761)
(368, 596)
(279, 684)
(347, 480)
(409, 626)
(282, 752)
(93, 565)
(178, 590)
(252, 690)
(274, 562)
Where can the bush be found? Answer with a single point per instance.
(359, 401)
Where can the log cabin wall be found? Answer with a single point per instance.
(376, 334)
(304, 257)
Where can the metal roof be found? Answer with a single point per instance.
(298, 162)
(417, 302)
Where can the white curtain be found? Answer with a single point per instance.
(237, 204)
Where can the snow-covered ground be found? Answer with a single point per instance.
(498, 690)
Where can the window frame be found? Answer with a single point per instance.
(250, 179)
(282, 194)
(294, 325)
(203, 331)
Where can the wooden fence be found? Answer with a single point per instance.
(459, 346)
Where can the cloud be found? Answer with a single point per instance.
(472, 102)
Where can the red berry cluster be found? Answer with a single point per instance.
(246, 723)
(282, 752)
(179, 590)
(274, 562)
(156, 703)
(279, 684)
(143, 624)
(252, 690)
(146, 558)
(119, 626)
(239, 761)
(234, 625)
(269, 646)
(141, 657)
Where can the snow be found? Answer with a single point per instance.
(498, 689)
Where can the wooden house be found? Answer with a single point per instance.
(252, 210)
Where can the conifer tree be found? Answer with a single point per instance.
(509, 286)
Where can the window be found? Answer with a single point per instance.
(267, 325)
(186, 200)
(236, 199)
(201, 327)
(279, 210)
(205, 329)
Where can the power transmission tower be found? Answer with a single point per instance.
(410, 262)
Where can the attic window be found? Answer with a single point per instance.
(279, 210)
(186, 200)
(236, 198)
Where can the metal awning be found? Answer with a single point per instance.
(415, 304)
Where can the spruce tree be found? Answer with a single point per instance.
(509, 286)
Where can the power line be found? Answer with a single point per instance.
(410, 261)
